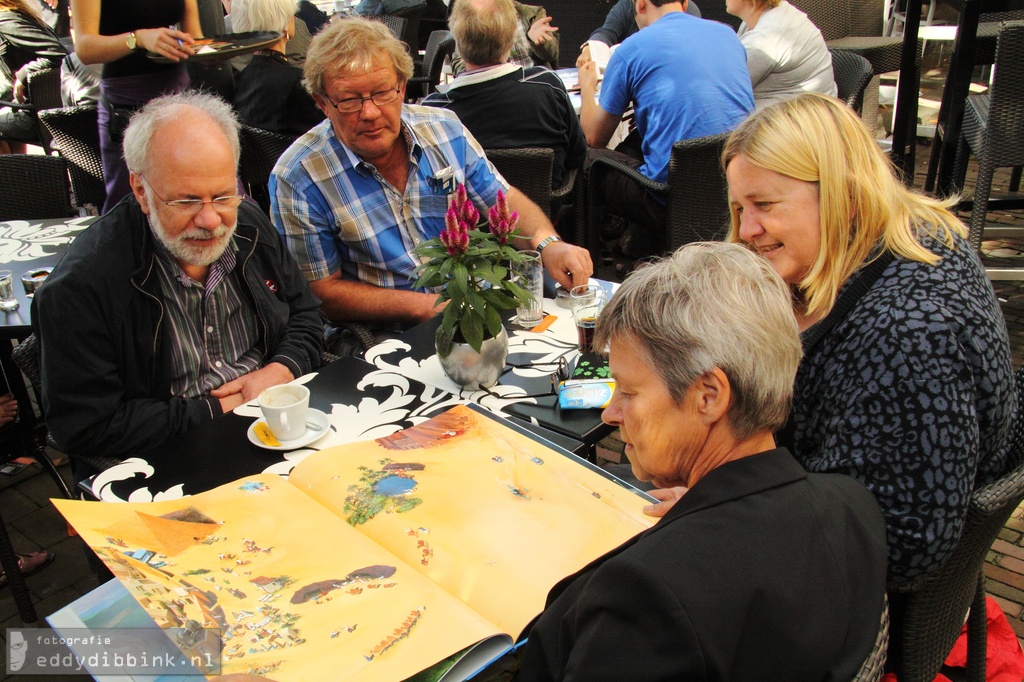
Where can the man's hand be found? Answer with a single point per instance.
(20, 91)
(584, 56)
(246, 387)
(541, 31)
(570, 265)
(668, 497)
(588, 79)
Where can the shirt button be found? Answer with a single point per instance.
(210, 329)
(218, 363)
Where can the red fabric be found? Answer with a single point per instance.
(1004, 659)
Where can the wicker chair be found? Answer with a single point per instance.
(26, 357)
(852, 73)
(933, 610)
(874, 665)
(528, 169)
(35, 187)
(857, 25)
(260, 151)
(993, 130)
(697, 203)
(440, 46)
(76, 137)
(42, 92)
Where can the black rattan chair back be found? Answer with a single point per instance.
(852, 73)
(993, 125)
(76, 137)
(260, 151)
(440, 46)
(698, 200)
(35, 187)
(528, 169)
(933, 611)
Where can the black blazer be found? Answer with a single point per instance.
(760, 572)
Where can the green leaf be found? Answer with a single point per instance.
(493, 322)
(443, 340)
(472, 330)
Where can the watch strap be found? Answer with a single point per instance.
(547, 240)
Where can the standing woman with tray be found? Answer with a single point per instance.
(118, 34)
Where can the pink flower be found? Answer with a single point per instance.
(500, 220)
(455, 235)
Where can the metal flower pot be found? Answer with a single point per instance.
(473, 370)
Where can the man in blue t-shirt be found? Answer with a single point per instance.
(684, 78)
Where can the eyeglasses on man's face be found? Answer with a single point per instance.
(351, 105)
(222, 204)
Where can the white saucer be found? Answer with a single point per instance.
(311, 435)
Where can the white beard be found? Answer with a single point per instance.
(182, 247)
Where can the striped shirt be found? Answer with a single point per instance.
(213, 326)
(336, 211)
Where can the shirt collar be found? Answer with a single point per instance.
(483, 74)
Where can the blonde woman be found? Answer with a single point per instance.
(786, 54)
(906, 383)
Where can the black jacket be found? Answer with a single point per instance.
(105, 355)
(760, 572)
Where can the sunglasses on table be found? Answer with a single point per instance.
(557, 371)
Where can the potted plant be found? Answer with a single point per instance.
(471, 269)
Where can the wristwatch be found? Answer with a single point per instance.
(131, 42)
(547, 240)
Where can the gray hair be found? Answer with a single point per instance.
(351, 45)
(261, 15)
(484, 30)
(708, 305)
(161, 110)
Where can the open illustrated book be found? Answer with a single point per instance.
(374, 560)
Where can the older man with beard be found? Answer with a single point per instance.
(176, 306)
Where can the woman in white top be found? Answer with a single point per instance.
(786, 55)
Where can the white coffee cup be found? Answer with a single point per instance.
(285, 408)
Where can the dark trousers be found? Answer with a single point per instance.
(625, 197)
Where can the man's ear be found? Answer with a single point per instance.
(323, 104)
(135, 180)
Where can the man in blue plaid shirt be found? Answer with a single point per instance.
(356, 193)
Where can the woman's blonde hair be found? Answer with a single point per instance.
(816, 138)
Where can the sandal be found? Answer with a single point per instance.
(31, 563)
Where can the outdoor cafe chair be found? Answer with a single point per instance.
(76, 137)
(440, 46)
(35, 186)
(993, 131)
(697, 204)
(933, 610)
(852, 74)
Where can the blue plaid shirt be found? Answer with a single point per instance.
(336, 211)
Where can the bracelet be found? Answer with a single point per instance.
(547, 240)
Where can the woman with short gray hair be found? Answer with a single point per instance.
(268, 92)
(761, 571)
